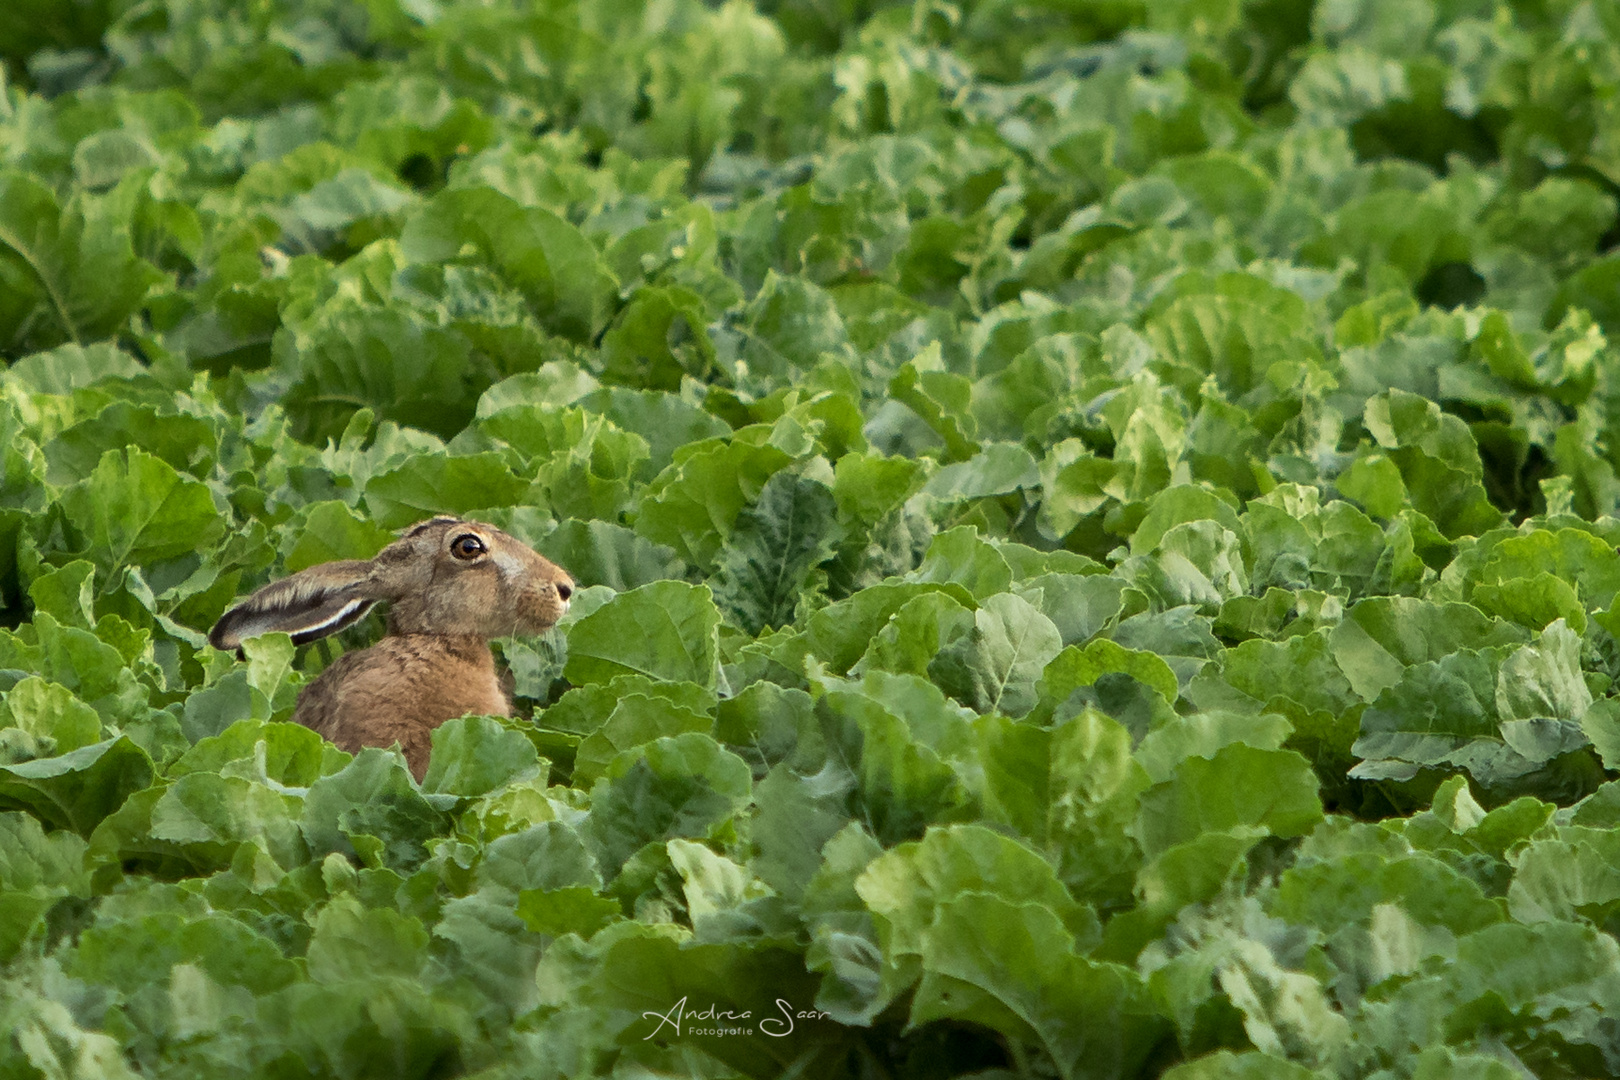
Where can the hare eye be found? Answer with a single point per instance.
(467, 546)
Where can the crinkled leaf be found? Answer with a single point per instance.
(665, 630)
(767, 565)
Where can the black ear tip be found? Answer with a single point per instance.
(220, 637)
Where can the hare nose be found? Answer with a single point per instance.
(564, 592)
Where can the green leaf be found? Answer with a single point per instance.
(584, 709)
(998, 469)
(570, 910)
(995, 666)
(1297, 677)
(601, 553)
(1374, 481)
(942, 400)
(1438, 459)
(1347, 890)
(869, 486)
(555, 266)
(664, 630)
(666, 421)
(1535, 971)
(790, 324)
(1543, 681)
(720, 895)
(1382, 636)
(1176, 506)
(393, 360)
(768, 565)
(189, 443)
(329, 531)
(1071, 791)
(1574, 556)
(214, 709)
(693, 505)
(1446, 712)
(1231, 328)
(428, 484)
(1532, 602)
(286, 753)
(1240, 785)
(371, 807)
(72, 272)
(1195, 563)
(686, 786)
(49, 718)
(556, 383)
(901, 745)
(78, 789)
(144, 950)
(475, 755)
(1601, 725)
(1569, 876)
(135, 510)
(906, 886)
(1074, 483)
(1079, 606)
(638, 974)
(1076, 667)
(636, 719)
(1004, 402)
(840, 633)
(916, 634)
(270, 676)
(659, 338)
(1204, 734)
(960, 555)
(41, 863)
(1249, 1065)
(66, 368)
(1013, 966)
(352, 943)
(206, 815)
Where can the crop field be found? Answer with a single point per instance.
(1094, 525)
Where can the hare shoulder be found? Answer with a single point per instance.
(399, 690)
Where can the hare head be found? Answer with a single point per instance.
(444, 576)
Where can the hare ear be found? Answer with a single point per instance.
(308, 605)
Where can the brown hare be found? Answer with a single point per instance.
(451, 585)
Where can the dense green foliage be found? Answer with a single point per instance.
(1098, 517)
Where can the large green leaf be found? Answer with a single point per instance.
(71, 272)
(767, 567)
(693, 505)
(428, 484)
(76, 790)
(135, 510)
(665, 630)
(556, 267)
(685, 786)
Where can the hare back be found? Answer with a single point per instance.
(399, 690)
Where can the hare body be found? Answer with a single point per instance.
(451, 585)
(399, 690)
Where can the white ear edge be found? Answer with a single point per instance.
(305, 618)
(344, 615)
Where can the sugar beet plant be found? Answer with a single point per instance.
(1095, 524)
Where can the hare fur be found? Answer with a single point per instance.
(451, 585)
